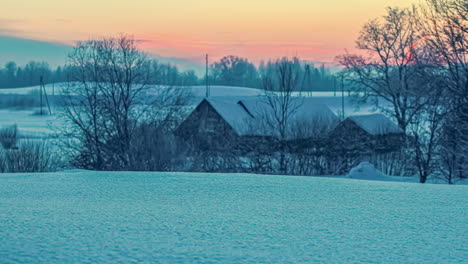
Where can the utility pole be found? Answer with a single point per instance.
(41, 90)
(41, 81)
(306, 82)
(342, 97)
(207, 82)
(334, 86)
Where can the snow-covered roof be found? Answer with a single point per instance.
(300, 108)
(376, 124)
(232, 113)
(255, 115)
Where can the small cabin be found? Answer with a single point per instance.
(364, 134)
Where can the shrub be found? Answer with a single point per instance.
(153, 148)
(29, 156)
(9, 137)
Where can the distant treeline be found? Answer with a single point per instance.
(229, 71)
(13, 76)
(236, 71)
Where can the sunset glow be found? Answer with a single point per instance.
(257, 29)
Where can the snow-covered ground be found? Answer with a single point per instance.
(126, 217)
(30, 125)
(199, 91)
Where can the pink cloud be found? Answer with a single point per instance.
(194, 48)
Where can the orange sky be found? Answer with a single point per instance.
(257, 29)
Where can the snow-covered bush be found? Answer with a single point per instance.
(29, 156)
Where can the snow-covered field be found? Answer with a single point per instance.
(126, 217)
(30, 125)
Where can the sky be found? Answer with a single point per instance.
(256, 29)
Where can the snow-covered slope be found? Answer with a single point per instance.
(123, 217)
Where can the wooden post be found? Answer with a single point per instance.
(207, 82)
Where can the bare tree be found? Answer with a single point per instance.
(445, 27)
(388, 72)
(110, 100)
(451, 158)
(279, 88)
(427, 132)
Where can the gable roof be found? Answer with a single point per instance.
(249, 116)
(300, 108)
(232, 112)
(375, 124)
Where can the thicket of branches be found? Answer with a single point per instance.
(112, 108)
(30, 156)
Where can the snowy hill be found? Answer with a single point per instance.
(122, 217)
(197, 91)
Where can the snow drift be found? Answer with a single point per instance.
(367, 171)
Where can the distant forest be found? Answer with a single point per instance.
(14, 76)
(228, 71)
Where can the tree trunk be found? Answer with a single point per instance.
(423, 178)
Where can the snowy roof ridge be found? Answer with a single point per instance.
(247, 115)
(376, 124)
